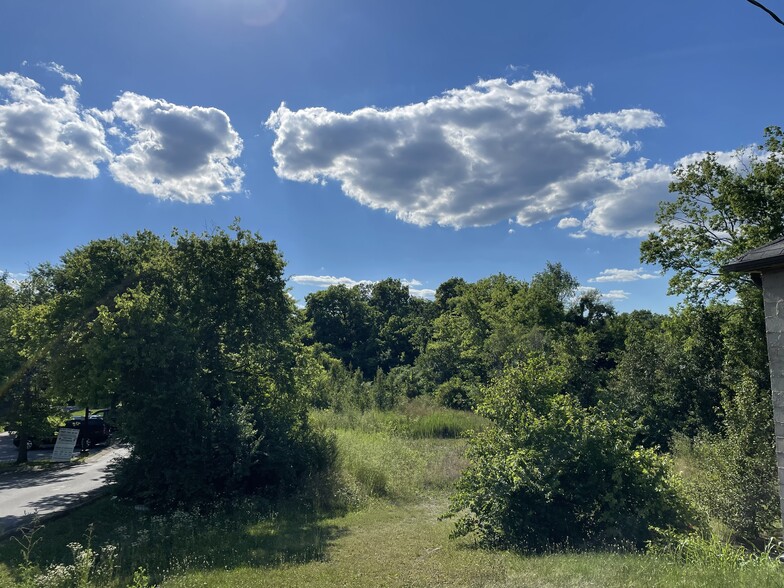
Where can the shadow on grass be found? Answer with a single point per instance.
(254, 534)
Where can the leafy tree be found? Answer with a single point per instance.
(195, 340)
(737, 483)
(28, 404)
(447, 291)
(490, 324)
(670, 376)
(346, 325)
(8, 353)
(721, 211)
(394, 311)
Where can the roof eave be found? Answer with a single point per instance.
(755, 265)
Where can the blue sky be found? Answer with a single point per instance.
(418, 140)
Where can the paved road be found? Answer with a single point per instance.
(52, 490)
(8, 451)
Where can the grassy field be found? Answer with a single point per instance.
(376, 525)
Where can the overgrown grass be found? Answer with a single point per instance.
(417, 419)
(375, 522)
(380, 465)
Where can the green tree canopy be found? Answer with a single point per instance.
(722, 209)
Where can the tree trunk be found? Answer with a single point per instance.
(24, 435)
(21, 456)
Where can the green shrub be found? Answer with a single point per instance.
(549, 472)
(457, 393)
(734, 473)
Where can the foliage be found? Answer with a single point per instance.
(722, 209)
(370, 326)
(457, 393)
(736, 484)
(344, 323)
(195, 340)
(491, 323)
(670, 374)
(28, 406)
(550, 472)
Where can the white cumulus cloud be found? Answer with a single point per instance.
(609, 296)
(425, 293)
(183, 153)
(326, 281)
(623, 275)
(13, 279)
(569, 222)
(42, 134)
(470, 157)
(629, 209)
(615, 295)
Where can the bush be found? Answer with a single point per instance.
(457, 393)
(549, 472)
(735, 481)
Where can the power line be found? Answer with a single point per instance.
(768, 10)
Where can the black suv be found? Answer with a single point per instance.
(96, 431)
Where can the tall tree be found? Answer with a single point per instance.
(347, 326)
(195, 340)
(722, 209)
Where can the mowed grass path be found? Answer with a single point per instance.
(407, 546)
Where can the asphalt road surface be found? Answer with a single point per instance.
(24, 494)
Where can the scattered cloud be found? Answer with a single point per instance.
(183, 153)
(417, 292)
(47, 135)
(569, 222)
(470, 157)
(61, 71)
(425, 293)
(629, 209)
(326, 281)
(623, 120)
(610, 296)
(623, 275)
(615, 295)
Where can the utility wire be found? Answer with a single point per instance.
(768, 10)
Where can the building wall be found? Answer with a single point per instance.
(773, 295)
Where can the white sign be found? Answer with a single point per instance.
(66, 441)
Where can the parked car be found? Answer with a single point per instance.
(96, 431)
(38, 442)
